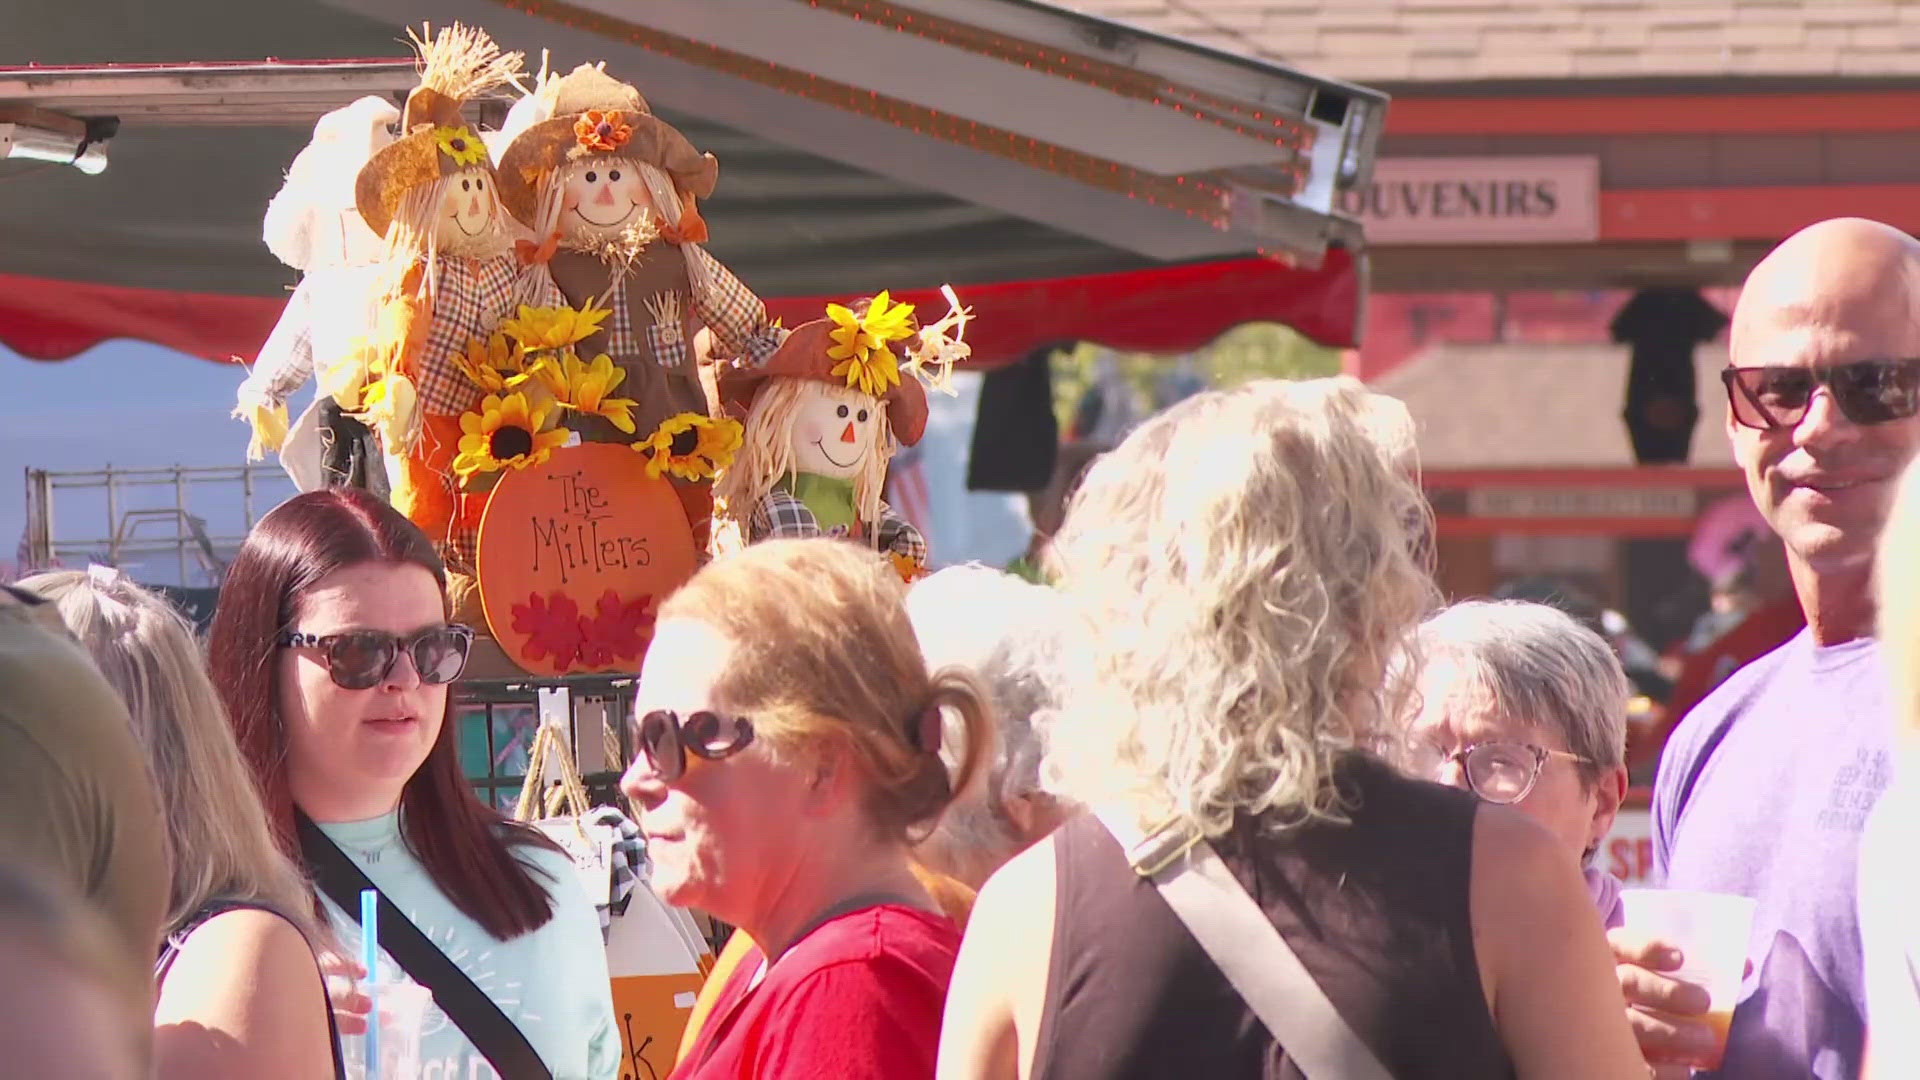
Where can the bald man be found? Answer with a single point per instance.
(1765, 786)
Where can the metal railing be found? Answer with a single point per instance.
(198, 515)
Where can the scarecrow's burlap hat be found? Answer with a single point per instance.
(803, 355)
(456, 64)
(597, 116)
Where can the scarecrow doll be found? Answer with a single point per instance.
(609, 190)
(822, 416)
(450, 277)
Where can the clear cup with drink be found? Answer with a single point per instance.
(1711, 930)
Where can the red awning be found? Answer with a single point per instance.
(1164, 310)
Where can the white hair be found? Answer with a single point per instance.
(1248, 565)
(1014, 636)
(1533, 666)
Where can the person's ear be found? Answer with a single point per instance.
(1609, 793)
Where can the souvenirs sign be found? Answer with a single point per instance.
(575, 555)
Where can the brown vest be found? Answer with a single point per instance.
(661, 390)
(1376, 909)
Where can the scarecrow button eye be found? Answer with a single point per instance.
(479, 185)
(466, 185)
(614, 175)
(841, 412)
(863, 416)
(592, 176)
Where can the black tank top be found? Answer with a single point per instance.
(1376, 909)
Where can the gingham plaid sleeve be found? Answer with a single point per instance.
(286, 360)
(469, 300)
(779, 516)
(729, 309)
(899, 535)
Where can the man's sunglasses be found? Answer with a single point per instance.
(360, 659)
(666, 739)
(1865, 391)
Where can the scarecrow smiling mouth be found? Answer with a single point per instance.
(631, 207)
(835, 460)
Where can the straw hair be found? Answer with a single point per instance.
(222, 848)
(1897, 583)
(824, 659)
(461, 61)
(766, 451)
(1247, 566)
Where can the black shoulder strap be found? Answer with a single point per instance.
(470, 1009)
(171, 949)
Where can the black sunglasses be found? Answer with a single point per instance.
(1866, 392)
(360, 659)
(666, 739)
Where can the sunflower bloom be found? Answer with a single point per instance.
(862, 344)
(602, 131)
(492, 365)
(690, 446)
(587, 386)
(538, 329)
(506, 432)
(460, 145)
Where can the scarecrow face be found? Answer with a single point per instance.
(603, 196)
(834, 429)
(466, 211)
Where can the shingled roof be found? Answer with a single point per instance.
(1421, 41)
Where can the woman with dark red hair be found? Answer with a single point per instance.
(332, 649)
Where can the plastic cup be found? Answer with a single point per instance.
(1711, 930)
(402, 1005)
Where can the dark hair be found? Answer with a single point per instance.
(464, 844)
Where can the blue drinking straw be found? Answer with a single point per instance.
(370, 956)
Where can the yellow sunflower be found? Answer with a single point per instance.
(587, 386)
(494, 365)
(862, 343)
(691, 446)
(553, 328)
(460, 145)
(505, 433)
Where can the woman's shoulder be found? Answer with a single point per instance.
(272, 950)
(884, 937)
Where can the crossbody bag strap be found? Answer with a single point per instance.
(1244, 944)
(497, 1038)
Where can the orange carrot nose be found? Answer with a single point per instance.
(473, 206)
(847, 435)
(605, 196)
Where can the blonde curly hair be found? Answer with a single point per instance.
(1249, 564)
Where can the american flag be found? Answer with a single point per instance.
(907, 489)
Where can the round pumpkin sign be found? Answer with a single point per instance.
(575, 556)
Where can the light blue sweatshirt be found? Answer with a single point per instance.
(552, 983)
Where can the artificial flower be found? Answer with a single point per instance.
(460, 145)
(390, 408)
(862, 344)
(506, 432)
(691, 446)
(587, 386)
(537, 329)
(553, 625)
(493, 365)
(602, 131)
(904, 565)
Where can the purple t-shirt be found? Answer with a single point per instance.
(1763, 791)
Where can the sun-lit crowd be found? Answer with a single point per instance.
(1236, 794)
